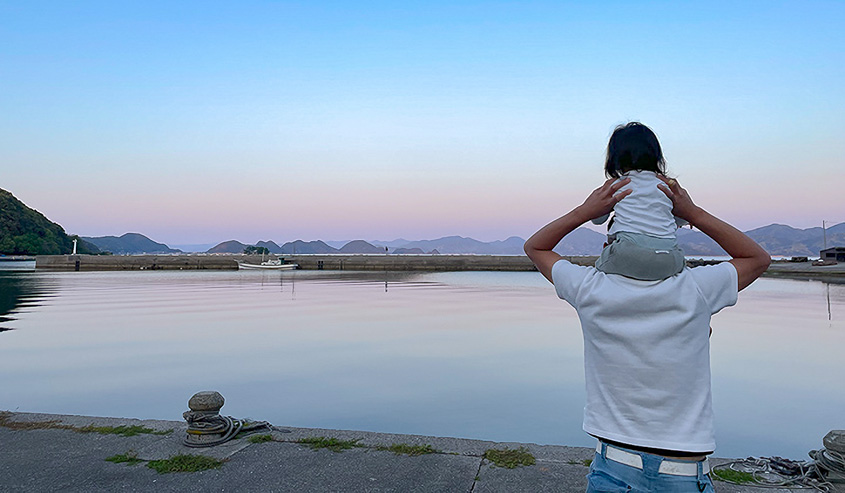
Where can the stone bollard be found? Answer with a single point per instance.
(831, 459)
(835, 440)
(205, 425)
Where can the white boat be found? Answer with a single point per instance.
(267, 265)
(17, 263)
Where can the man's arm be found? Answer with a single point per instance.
(749, 258)
(600, 202)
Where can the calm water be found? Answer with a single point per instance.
(472, 354)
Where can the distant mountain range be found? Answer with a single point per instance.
(777, 239)
(26, 231)
(129, 243)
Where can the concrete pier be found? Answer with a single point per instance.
(362, 262)
(43, 452)
(307, 262)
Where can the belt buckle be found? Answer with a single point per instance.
(622, 456)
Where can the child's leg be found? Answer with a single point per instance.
(642, 257)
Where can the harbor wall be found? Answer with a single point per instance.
(306, 262)
(365, 262)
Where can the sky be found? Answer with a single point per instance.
(199, 122)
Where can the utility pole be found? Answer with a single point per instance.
(824, 232)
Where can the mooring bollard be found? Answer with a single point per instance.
(205, 425)
(832, 456)
(207, 428)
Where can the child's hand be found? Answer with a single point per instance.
(682, 205)
(602, 200)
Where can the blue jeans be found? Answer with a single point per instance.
(611, 477)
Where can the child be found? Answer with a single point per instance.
(641, 235)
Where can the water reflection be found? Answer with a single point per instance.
(489, 355)
(827, 291)
(19, 290)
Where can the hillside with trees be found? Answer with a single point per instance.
(25, 231)
(130, 244)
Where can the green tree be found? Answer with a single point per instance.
(25, 231)
(256, 250)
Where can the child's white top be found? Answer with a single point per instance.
(646, 210)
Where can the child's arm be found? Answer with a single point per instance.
(601, 201)
(748, 257)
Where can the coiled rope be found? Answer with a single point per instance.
(827, 466)
(201, 423)
(776, 472)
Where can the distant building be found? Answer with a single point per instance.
(833, 253)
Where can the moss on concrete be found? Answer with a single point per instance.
(260, 438)
(412, 450)
(185, 463)
(510, 458)
(128, 458)
(122, 430)
(332, 444)
(731, 476)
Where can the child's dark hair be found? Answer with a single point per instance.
(633, 147)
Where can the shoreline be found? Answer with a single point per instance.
(76, 453)
(377, 262)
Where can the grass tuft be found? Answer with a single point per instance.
(510, 458)
(128, 458)
(185, 463)
(732, 476)
(122, 430)
(260, 438)
(5, 422)
(412, 450)
(332, 444)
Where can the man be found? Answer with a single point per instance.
(647, 348)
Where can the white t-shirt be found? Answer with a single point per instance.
(647, 352)
(646, 210)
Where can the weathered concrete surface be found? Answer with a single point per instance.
(66, 460)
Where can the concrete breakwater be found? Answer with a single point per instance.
(52, 452)
(371, 263)
(306, 262)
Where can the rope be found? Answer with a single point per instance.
(200, 423)
(827, 466)
(830, 460)
(777, 472)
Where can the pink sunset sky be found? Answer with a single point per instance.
(201, 123)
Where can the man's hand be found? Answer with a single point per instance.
(748, 257)
(682, 205)
(602, 200)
